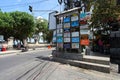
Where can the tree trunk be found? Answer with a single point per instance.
(24, 42)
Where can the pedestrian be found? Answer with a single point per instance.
(100, 43)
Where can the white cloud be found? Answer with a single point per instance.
(39, 17)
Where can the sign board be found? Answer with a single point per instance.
(75, 45)
(67, 34)
(66, 45)
(66, 39)
(84, 32)
(75, 39)
(60, 45)
(84, 26)
(75, 34)
(52, 20)
(66, 25)
(84, 42)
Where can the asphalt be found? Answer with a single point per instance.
(33, 65)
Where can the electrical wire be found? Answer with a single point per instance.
(24, 4)
(49, 11)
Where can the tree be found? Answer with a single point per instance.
(23, 25)
(6, 25)
(104, 11)
(42, 26)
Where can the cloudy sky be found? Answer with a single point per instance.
(23, 5)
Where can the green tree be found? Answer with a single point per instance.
(104, 11)
(42, 26)
(23, 25)
(6, 25)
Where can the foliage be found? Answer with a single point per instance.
(42, 26)
(23, 25)
(104, 12)
(6, 25)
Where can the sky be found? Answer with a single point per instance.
(23, 5)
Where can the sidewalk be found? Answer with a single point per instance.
(18, 51)
(9, 52)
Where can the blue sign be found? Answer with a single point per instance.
(66, 29)
(82, 15)
(60, 40)
(66, 45)
(75, 24)
(67, 19)
(75, 39)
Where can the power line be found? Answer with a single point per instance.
(24, 4)
(50, 9)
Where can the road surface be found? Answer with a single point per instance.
(35, 65)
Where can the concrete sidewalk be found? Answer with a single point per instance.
(18, 51)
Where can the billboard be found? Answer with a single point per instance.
(52, 20)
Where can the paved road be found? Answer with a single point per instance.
(34, 65)
(8, 61)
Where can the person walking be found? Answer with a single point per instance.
(100, 43)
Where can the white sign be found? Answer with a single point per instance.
(84, 32)
(52, 20)
(75, 34)
(66, 39)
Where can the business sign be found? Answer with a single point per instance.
(85, 16)
(74, 23)
(59, 26)
(67, 34)
(84, 42)
(75, 39)
(60, 45)
(66, 45)
(59, 30)
(52, 20)
(66, 39)
(67, 19)
(74, 18)
(75, 34)
(84, 31)
(66, 25)
(75, 45)
(84, 26)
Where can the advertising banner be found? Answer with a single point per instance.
(60, 45)
(66, 39)
(75, 24)
(75, 34)
(66, 29)
(67, 19)
(52, 20)
(74, 18)
(84, 31)
(84, 42)
(60, 40)
(75, 39)
(75, 45)
(66, 25)
(66, 45)
(67, 34)
(59, 26)
(84, 26)
(59, 30)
